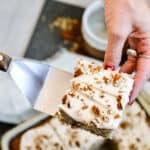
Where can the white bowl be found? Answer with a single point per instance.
(93, 26)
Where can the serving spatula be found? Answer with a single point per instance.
(41, 84)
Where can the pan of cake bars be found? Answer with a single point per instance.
(49, 133)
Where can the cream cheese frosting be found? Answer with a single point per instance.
(42, 138)
(55, 135)
(134, 130)
(97, 95)
(74, 138)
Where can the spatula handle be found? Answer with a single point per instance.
(4, 61)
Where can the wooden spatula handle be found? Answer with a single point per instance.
(4, 61)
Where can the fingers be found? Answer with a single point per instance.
(114, 50)
(129, 65)
(142, 74)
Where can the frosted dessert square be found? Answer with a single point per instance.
(96, 98)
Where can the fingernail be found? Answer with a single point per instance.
(109, 67)
(131, 101)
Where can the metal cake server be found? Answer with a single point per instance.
(42, 84)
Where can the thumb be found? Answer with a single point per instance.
(114, 50)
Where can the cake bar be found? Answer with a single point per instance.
(96, 98)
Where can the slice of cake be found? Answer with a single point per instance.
(134, 130)
(96, 98)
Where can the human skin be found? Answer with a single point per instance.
(129, 20)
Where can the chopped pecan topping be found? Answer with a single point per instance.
(92, 70)
(93, 91)
(56, 144)
(76, 86)
(102, 96)
(90, 66)
(93, 62)
(78, 72)
(119, 106)
(82, 65)
(138, 139)
(109, 112)
(95, 69)
(148, 121)
(87, 88)
(102, 91)
(95, 78)
(84, 106)
(106, 80)
(128, 114)
(116, 77)
(64, 99)
(139, 114)
(39, 140)
(125, 125)
(82, 99)
(119, 97)
(71, 94)
(109, 105)
(70, 142)
(68, 105)
(77, 143)
(116, 116)
(105, 118)
(98, 68)
(74, 134)
(132, 147)
(95, 110)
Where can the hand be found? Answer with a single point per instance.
(129, 20)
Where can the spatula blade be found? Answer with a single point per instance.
(42, 84)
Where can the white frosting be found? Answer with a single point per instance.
(43, 138)
(75, 139)
(99, 88)
(134, 131)
(54, 135)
